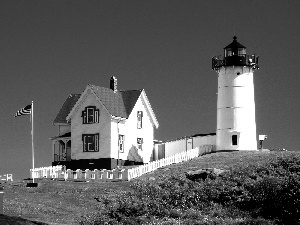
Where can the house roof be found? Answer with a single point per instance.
(119, 104)
(129, 98)
(112, 101)
(66, 108)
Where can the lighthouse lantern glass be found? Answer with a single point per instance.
(235, 51)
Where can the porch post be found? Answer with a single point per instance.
(65, 142)
(53, 149)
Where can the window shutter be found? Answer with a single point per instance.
(84, 143)
(97, 142)
(84, 116)
(97, 116)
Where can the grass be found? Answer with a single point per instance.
(55, 202)
(165, 196)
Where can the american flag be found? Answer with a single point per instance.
(24, 111)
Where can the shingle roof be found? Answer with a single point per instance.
(66, 108)
(119, 104)
(129, 98)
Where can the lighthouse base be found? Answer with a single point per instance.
(234, 140)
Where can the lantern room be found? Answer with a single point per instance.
(234, 49)
(234, 55)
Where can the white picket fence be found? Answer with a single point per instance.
(48, 172)
(6, 177)
(177, 158)
(117, 174)
(59, 172)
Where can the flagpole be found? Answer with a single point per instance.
(32, 145)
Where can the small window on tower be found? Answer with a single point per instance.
(234, 139)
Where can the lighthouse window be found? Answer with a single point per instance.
(229, 53)
(234, 139)
(242, 51)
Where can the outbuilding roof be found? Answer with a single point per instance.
(190, 136)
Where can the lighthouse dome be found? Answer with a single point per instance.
(234, 48)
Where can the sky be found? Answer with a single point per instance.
(50, 49)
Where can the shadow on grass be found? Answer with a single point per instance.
(15, 220)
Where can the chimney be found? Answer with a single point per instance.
(113, 84)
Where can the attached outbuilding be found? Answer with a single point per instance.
(163, 149)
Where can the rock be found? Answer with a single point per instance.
(197, 174)
(218, 171)
(151, 178)
(203, 174)
(164, 168)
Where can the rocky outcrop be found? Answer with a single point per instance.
(203, 174)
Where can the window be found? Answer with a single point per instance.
(140, 143)
(234, 139)
(139, 119)
(90, 115)
(121, 143)
(90, 142)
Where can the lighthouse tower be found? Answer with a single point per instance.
(236, 126)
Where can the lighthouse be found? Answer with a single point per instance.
(236, 125)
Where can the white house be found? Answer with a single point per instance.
(103, 128)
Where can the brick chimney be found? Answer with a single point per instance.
(113, 84)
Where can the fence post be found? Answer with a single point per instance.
(79, 173)
(125, 174)
(115, 174)
(110, 174)
(97, 174)
(9, 177)
(87, 174)
(1, 201)
(104, 175)
(69, 174)
(48, 173)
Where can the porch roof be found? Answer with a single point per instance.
(63, 136)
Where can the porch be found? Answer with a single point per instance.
(61, 148)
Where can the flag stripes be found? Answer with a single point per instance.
(24, 111)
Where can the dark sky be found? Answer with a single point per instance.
(50, 49)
